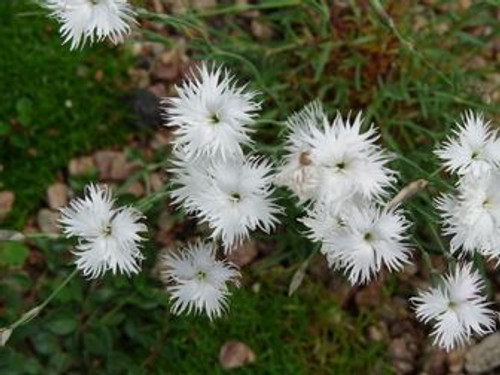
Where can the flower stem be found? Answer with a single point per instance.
(34, 312)
(436, 172)
(49, 236)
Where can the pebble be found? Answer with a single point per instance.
(244, 254)
(47, 221)
(81, 166)
(235, 354)
(7, 199)
(57, 195)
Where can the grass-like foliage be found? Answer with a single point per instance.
(55, 103)
(411, 70)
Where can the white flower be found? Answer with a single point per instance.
(233, 196)
(199, 282)
(472, 216)
(333, 162)
(350, 162)
(92, 20)
(473, 150)
(297, 172)
(457, 308)
(367, 239)
(212, 114)
(108, 237)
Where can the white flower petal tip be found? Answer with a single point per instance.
(457, 309)
(212, 114)
(89, 21)
(108, 238)
(198, 282)
(474, 148)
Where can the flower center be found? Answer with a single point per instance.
(452, 305)
(475, 155)
(215, 119)
(106, 230)
(487, 203)
(340, 165)
(235, 197)
(368, 237)
(93, 2)
(201, 275)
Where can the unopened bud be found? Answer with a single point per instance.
(305, 158)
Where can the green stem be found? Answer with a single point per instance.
(217, 11)
(34, 312)
(49, 236)
(145, 203)
(436, 172)
(427, 260)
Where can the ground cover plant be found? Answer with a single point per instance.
(49, 87)
(412, 68)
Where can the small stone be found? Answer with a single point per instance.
(402, 358)
(434, 361)
(158, 89)
(136, 188)
(369, 296)
(140, 78)
(104, 162)
(99, 75)
(261, 30)
(477, 63)
(464, 4)
(156, 48)
(158, 7)
(249, 13)
(113, 165)
(375, 334)
(420, 22)
(398, 349)
(235, 354)
(7, 199)
(146, 107)
(243, 254)
(81, 166)
(135, 47)
(166, 72)
(456, 360)
(121, 168)
(156, 182)
(57, 195)
(47, 221)
(161, 139)
(484, 356)
(204, 4)
(403, 367)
